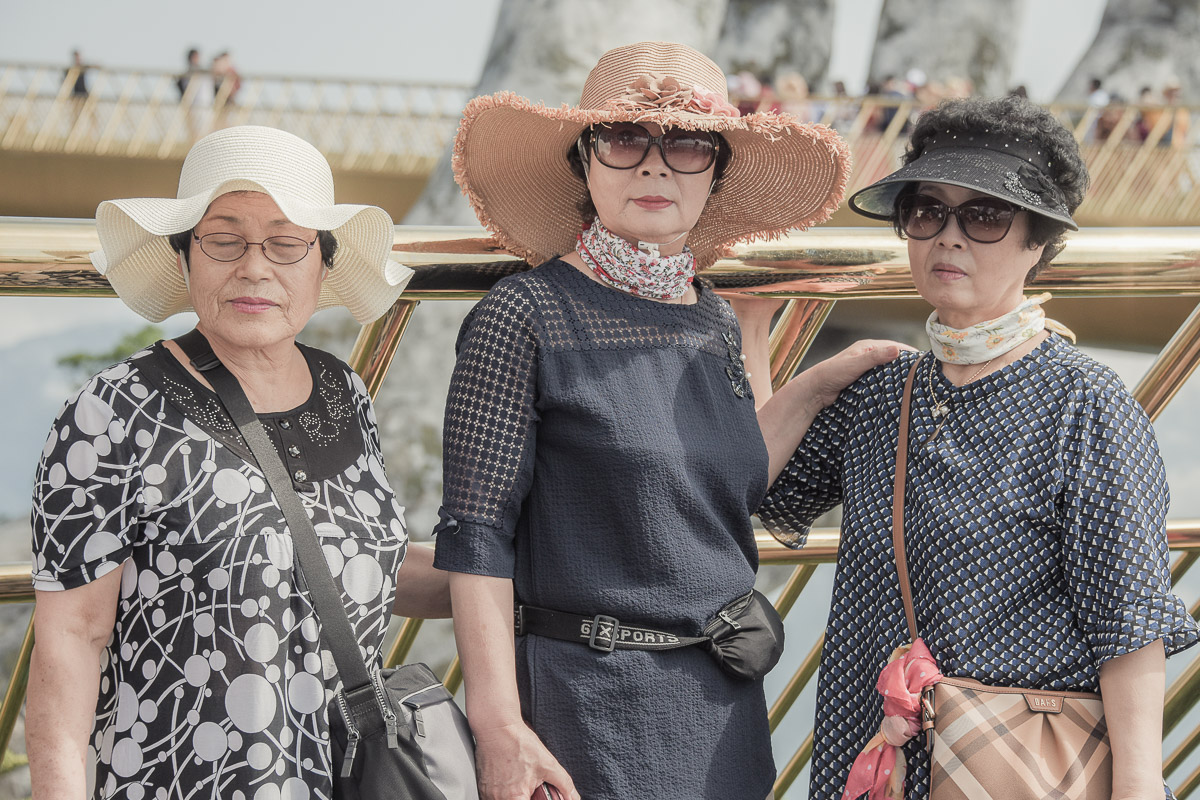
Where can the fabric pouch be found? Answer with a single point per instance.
(746, 636)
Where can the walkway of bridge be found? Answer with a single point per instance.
(393, 128)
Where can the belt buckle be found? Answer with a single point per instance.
(597, 621)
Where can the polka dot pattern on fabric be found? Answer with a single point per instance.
(208, 683)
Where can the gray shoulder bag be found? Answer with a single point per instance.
(394, 733)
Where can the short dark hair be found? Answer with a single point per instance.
(182, 243)
(587, 209)
(1012, 116)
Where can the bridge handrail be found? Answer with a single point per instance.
(816, 269)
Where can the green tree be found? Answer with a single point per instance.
(84, 364)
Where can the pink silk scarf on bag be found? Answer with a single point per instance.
(879, 769)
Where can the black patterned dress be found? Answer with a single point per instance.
(603, 452)
(214, 684)
(1034, 530)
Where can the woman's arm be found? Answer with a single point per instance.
(1132, 687)
(421, 590)
(511, 759)
(71, 629)
(785, 418)
(754, 318)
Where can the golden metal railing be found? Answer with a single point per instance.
(382, 126)
(49, 257)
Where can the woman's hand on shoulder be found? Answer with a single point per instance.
(786, 417)
(512, 763)
(827, 379)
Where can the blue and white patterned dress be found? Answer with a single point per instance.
(1034, 531)
(214, 683)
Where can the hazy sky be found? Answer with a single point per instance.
(441, 40)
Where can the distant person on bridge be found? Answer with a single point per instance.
(225, 77)
(191, 69)
(1035, 503)
(178, 654)
(79, 88)
(602, 450)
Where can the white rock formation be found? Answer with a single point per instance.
(774, 37)
(1141, 43)
(948, 39)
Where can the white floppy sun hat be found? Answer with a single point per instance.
(138, 261)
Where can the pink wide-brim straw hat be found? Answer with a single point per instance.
(510, 155)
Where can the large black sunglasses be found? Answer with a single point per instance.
(625, 145)
(982, 219)
(280, 250)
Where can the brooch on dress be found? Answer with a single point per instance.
(739, 379)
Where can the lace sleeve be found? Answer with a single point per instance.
(489, 433)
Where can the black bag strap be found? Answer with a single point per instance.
(336, 630)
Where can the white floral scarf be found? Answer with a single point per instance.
(987, 340)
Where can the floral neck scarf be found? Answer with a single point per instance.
(987, 340)
(622, 266)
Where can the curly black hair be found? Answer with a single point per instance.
(587, 209)
(1013, 116)
(181, 243)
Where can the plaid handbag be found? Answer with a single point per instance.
(990, 741)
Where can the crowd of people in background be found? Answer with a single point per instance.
(1161, 116)
(789, 92)
(220, 81)
(1156, 113)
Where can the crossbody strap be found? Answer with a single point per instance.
(898, 503)
(336, 630)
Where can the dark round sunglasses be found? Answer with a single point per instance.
(986, 220)
(281, 250)
(625, 145)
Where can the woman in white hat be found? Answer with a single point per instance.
(177, 652)
(1033, 513)
(602, 454)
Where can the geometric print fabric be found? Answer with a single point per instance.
(1034, 524)
(214, 684)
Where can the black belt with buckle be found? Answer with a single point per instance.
(599, 632)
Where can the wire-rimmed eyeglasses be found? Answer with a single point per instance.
(227, 247)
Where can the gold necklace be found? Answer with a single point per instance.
(941, 408)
